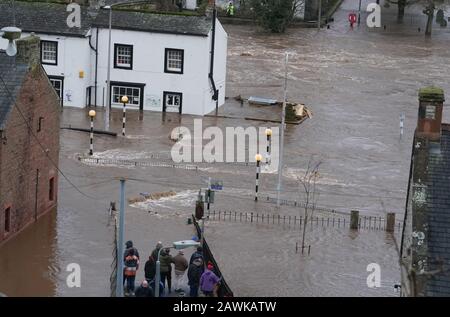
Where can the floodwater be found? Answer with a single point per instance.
(357, 84)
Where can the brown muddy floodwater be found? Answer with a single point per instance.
(357, 84)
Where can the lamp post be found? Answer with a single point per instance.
(124, 100)
(258, 158)
(91, 145)
(283, 124)
(269, 145)
(179, 245)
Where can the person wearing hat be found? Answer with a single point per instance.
(181, 265)
(209, 281)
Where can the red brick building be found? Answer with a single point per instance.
(29, 139)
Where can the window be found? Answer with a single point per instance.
(123, 56)
(51, 189)
(49, 52)
(8, 220)
(58, 84)
(172, 102)
(174, 61)
(133, 93)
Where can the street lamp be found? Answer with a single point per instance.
(269, 145)
(178, 245)
(91, 145)
(258, 158)
(124, 100)
(108, 71)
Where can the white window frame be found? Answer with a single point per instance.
(133, 100)
(170, 59)
(128, 55)
(49, 47)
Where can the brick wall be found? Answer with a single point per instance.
(21, 156)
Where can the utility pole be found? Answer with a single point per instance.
(120, 264)
(283, 119)
(319, 15)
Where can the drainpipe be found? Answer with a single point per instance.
(211, 67)
(96, 64)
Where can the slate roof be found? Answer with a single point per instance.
(13, 75)
(50, 18)
(42, 17)
(438, 213)
(152, 22)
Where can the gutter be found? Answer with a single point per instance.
(95, 49)
(211, 67)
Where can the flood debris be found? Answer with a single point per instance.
(154, 196)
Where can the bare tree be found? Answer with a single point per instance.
(307, 188)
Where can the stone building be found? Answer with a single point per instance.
(425, 246)
(29, 139)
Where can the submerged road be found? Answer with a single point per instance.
(357, 84)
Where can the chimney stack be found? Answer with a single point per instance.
(431, 101)
(28, 50)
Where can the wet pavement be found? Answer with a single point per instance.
(357, 84)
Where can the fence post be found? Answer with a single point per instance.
(219, 214)
(251, 219)
(354, 219)
(278, 219)
(390, 222)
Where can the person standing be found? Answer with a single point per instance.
(150, 269)
(156, 250)
(166, 261)
(196, 254)
(181, 265)
(131, 267)
(128, 246)
(195, 272)
(230, 9)
(209, 281)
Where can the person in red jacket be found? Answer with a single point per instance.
(131, 267)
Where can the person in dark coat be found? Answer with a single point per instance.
(166, 261)
(156, 250)
(197, 254)
(129, 246)
(144, 290)
(195, 272)
(150, 269)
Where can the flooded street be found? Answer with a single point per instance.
(357, 84)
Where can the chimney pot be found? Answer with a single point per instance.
(28, 49)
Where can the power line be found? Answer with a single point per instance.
(30, 129)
